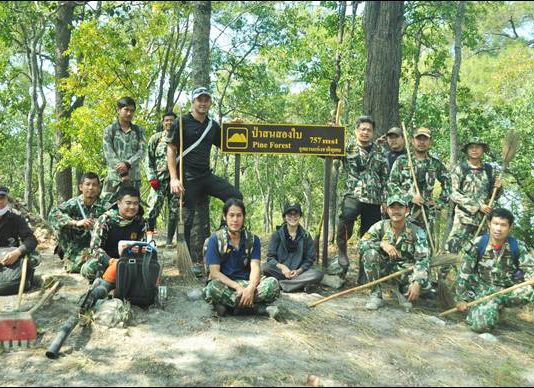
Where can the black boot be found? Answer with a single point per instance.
(343, 258)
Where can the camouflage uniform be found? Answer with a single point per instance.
(73, 241)
(412, 245)
(99, 260)
(216, 292)
(427, 171)
(365, 191)
(156, 167)
(491, 273)
(123, 147)
(471, 187)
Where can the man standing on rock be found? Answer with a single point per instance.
(73, 222)
(199, 133)
(365, 192)
(392, 245)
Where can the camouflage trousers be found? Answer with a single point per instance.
(460, 235)
(156, 198)
(485, 316)
(377, 265)
(73, 255)
(216, 292)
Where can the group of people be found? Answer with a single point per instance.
(390, 192)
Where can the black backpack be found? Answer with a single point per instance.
(138, 275)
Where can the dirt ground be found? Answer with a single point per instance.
(339, 342)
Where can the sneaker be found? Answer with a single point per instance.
(197, 270)
(375, 302)
(403, 302)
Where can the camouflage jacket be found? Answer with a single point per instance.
(124, 147)
(101, 231)
(68, 211)
(412, 244)
(427, 172)
(474, 191)
(494, 270)
(156, 157)
(366, 173)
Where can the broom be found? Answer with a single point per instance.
(511, 143)
(183, 258)
(491, 296)
(438, 261)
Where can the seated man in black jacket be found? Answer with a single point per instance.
(291, 254)
(14, 232)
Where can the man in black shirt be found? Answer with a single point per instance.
(199, 134)
(395, 146)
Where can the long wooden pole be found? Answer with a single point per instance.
(491, 296)
(490, 204)
(363, 287)
(410, 162)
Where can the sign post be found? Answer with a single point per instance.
(288, 139)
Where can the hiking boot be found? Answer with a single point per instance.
(197, 270)
(342, 257)
(375, 301)
(403, 302)
(220, 310)
(274, 312)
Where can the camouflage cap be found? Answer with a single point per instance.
(4, 190)
(475, 140)
(394, 131)
(422, 132)
(396, 198)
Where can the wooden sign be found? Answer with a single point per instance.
(283, 139)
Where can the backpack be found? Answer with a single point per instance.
(138, 274)
(222, 244)
(512, 242)
(487, 167)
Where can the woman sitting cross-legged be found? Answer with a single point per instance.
(292, 254)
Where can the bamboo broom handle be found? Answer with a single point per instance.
(427, 227)
(491, 296)
(492, 199)
(359, 288)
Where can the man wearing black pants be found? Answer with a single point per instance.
(199, 134)
(367, 172)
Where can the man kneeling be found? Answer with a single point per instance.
(493, 262)
(233, 258)
(392, 245)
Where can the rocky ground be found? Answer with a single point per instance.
(335, 343)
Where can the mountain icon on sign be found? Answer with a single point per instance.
(237, 138)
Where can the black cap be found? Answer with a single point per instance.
(4, 190)
(290, 207)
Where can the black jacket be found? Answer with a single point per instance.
(303, 257)
(14, 226)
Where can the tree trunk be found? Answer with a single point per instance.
(383, 37)
(417, 76)
(64, 19)
(201, 77)
(454, 80)
(335, 99)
